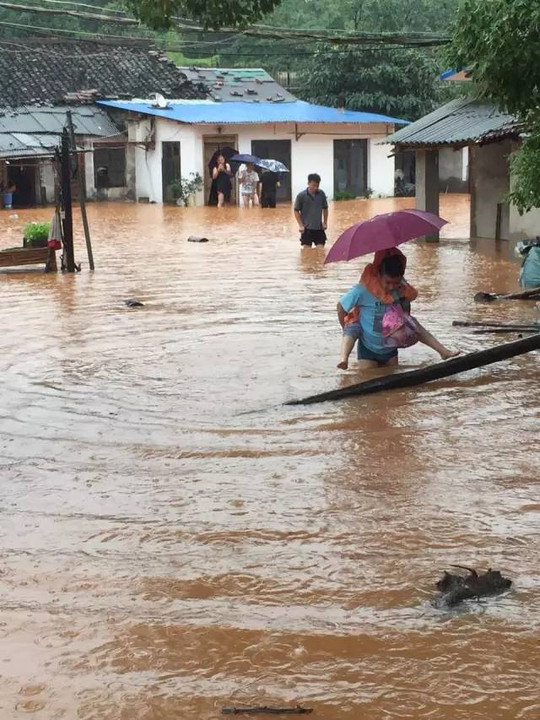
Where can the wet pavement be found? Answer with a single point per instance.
(175, 540)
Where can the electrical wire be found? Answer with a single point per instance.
(332, 36)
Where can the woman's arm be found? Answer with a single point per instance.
(215, 173)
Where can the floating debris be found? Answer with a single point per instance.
(457, 588)
(196, 238)
(266, 710)
(133, 302)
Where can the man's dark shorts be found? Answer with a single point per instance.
(312, 237)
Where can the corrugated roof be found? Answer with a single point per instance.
(20, 144)
(238, 84)
(460, 122)
(89, 120)
(242, 113)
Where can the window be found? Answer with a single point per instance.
(109, 167)
(350, 166)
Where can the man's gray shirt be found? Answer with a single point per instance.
(311, 208)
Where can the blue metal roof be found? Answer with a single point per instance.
(454, 74)
(238, 113)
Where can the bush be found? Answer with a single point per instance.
(36, 234)
(184, 188)
(368, 192)
(344, 195)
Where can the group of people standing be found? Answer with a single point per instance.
(254, 189)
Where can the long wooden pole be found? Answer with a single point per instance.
(433, 372)
(530, 294)
(82, 199)
(512, 326)
(66, 202)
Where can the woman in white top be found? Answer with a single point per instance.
(249, 180)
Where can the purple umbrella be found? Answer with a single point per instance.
(383, 232)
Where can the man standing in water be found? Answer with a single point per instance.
(311, 213)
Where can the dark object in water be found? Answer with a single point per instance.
(195, 238)
(132, 302)
(456, 588)
(531, 294)
(495, 325)
(266, 710)
(412, 378)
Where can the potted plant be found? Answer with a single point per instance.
(36, 235)
(183, 189)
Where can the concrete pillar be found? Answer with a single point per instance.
(427, 184)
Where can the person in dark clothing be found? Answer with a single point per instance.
(267, 188)
(311, 213)
(222, 175)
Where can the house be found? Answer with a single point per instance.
(247, 110)
(491, 136)
(41, 79)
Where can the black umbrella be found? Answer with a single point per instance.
(227, 153)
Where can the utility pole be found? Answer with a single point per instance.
(67, 222)
(82, 199)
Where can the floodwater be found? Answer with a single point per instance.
(166, 553)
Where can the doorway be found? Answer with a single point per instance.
(213, 144)
(350, 167)
(25, 177)
(277, 150)
(170, 169)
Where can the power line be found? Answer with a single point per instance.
(329, 36)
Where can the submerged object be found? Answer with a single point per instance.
(455, 588)
(266, 710)
(133, 302)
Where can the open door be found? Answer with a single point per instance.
(277, 150)
(212, 144)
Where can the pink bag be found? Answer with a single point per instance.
(398, 328)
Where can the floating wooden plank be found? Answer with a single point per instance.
(428, 374)
(266, 710)
(506, 330)
(512, 326)
(530, 294)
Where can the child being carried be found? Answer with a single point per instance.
(376, 313)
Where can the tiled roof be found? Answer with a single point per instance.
(239, 84)
(39, 71)
(244, 113)
(460, 122)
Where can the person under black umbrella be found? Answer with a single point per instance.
(268, 188)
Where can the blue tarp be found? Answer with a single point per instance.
(239, 113)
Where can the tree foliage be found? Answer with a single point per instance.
(160, 14)
(401, 83)
(499, 42)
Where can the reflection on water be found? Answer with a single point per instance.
(166, 553)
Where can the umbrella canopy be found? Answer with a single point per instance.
(227, 153)
(245, 159)
(272, 165)
(383, 232)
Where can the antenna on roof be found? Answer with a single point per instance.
(159, 101)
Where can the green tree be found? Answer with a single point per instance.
(160, 14)
(401, 83)
(498, 40)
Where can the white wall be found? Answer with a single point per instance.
(524, 226)
(489, 185)
(380, 167)
(312, 150)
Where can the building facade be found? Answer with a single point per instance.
(344, 147)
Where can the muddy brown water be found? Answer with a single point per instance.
(165, 554)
